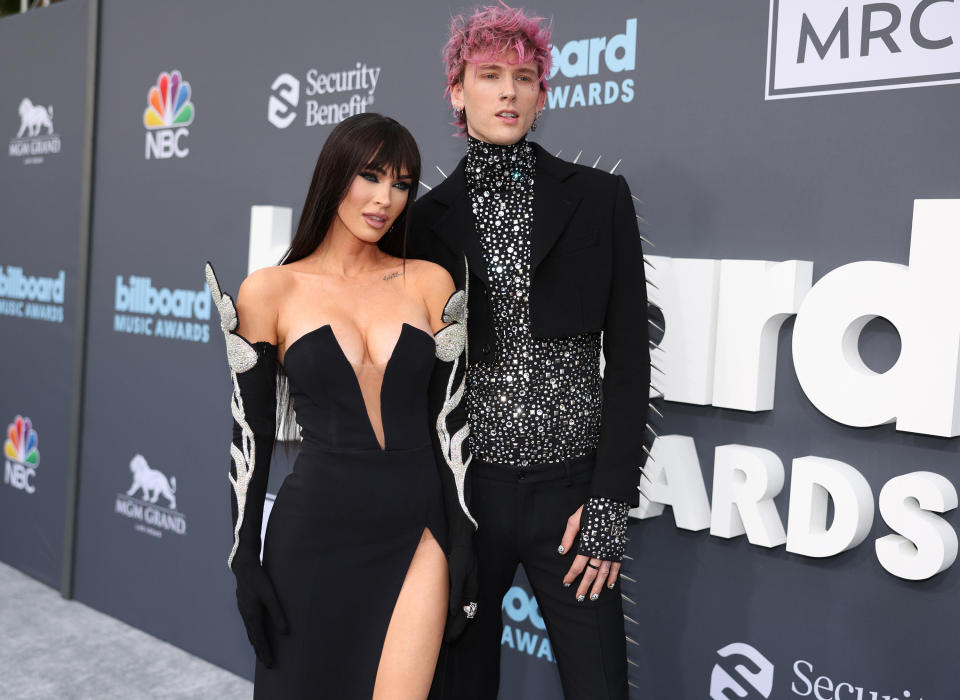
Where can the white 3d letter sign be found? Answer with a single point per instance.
(920, 392)
(687, 287)
(813, 482)
(756, 297)
(270, 236)
(672, 477)
(723, 319)
(926, 544)
(745, 482)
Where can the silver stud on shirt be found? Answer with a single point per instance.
(516, 408)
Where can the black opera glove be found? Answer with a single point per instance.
(447, 387)
(253, 369)
(603, 528)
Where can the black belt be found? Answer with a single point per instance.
(533, 471)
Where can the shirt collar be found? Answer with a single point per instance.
(499, 167)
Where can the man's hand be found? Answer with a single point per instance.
(597, 573)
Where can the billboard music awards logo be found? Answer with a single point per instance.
(528, 634)
(595, 66)
(142, 501)
(34, 297)
(178, 314)
(36, 137)
(336, 95)
(827, 48)
(743, 672)
(168, 114)
(22, 455)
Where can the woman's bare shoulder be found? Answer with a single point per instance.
(258, 302)
(431, 279)
(265, 285)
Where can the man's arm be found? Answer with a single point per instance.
(626, 349)
(602, 520)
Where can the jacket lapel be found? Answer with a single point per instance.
(456, 227)
(553, 203)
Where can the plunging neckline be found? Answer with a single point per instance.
(356, 378)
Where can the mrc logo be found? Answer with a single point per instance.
(22, 455)
(823, 48)
(168, 114)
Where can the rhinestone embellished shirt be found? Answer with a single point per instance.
(539, 401)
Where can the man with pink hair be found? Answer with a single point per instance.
(553, 261)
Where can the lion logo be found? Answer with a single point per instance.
(33, 118)
(152, 482)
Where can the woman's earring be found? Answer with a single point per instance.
(533, 127)
(458, 112)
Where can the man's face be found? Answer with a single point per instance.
(501, 99)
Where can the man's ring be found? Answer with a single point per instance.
(593, 566)
(471, 610)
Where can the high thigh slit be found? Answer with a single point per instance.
(422, 651)
(348, 520)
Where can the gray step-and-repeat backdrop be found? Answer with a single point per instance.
(42, 122)
(752, 133)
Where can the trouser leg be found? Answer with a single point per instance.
(587, 638)
(469, 668)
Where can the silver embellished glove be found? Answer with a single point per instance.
(253, 404)
(603, 528)
(447, 387)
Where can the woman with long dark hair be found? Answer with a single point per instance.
(351, 598)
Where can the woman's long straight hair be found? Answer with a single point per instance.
(360, 142)
(364, 141)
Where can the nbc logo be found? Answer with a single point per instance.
(168, 114)
(22, 455)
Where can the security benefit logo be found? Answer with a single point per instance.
(31, 296)
(168, 114)
(22, 456)
(151, 501)
(741, 672)
(820, 48)
(332, 96)
(143, 309)
(526, 632)
(594, 71)
(36, 138)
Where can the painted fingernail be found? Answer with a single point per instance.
(611, 585)
(566, 585)
(561, 549)
(595, 596)
(581, 598)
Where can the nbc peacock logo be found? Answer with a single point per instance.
(168, 114)
(22, 455)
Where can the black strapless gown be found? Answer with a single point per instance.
(348, 519)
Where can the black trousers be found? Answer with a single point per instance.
(521, 519)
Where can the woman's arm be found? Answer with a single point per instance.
(253, 403)
(447, 309)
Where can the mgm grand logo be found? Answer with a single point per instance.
(141, 502)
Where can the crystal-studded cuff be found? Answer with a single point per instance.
(603, 528)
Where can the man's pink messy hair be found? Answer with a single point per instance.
(490, 32)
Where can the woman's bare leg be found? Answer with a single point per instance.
(412, 644)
